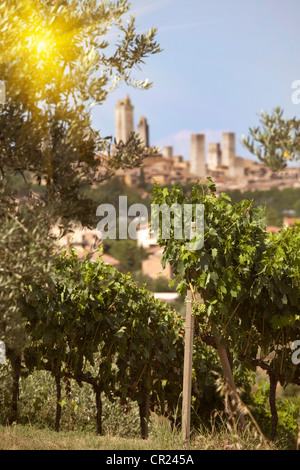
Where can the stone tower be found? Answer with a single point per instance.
(228, 148)
(143, 131)
(168, 151)
(214, 156)
(124, 121)
(197, 160)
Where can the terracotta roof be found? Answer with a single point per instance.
(107, 259)
(273, 229)
(290, 220)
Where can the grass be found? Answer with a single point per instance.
(28, 438)
(121, 424)
(162, 437)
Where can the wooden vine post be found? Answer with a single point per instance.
(187, 371)
(233, 406)
(188, 364)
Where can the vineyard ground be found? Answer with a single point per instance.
(27, 437)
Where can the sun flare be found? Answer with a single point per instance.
(40, 44)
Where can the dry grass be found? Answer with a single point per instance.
(27, 438)
(162, 438)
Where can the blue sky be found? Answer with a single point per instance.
(222, 62)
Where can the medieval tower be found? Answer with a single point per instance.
(197, 159)
(143, 131)
(214, 156)
(124, 120)
(228, 148)
(167, 151)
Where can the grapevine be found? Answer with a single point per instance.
(249, 279)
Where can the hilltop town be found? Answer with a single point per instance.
(228, 170)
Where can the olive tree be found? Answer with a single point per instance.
(57, 63)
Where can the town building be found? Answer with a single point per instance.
(228, 170)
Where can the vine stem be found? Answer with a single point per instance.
(266, 442)
(140, 377)
(228, 376)
(229, 319)
(272, 400)
(230, 384)
(282, 353)
(248, 342)
(191, 288)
